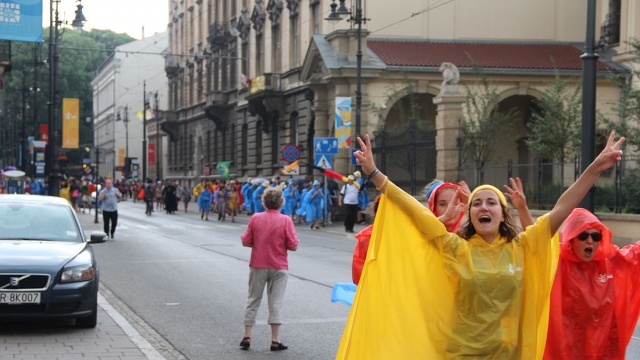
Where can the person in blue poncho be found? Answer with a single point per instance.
(258, 207)
(302, 208)
(247, 201)
(291, 198)
(204, 201)
(249, 197)
(314, 205)
(363, 197)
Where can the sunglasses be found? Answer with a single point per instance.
(584, 235)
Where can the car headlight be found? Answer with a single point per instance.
(79, 269)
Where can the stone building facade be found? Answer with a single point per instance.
(247, 77)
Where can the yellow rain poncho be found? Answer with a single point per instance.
(429, 294)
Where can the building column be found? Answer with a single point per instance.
(448, 121)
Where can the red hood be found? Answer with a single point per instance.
(578, 221)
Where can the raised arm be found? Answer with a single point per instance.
(574, 194)
(365, 159)
(515, 193)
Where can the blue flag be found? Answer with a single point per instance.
(21, 20)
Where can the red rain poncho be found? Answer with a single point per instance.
(426, 293)
(594, 305)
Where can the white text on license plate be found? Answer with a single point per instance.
(19, 298)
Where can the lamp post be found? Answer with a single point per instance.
(589, 63)
(52, 162)
(355, 17)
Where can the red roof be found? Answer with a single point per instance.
(500, 56)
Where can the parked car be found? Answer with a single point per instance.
(47, 265)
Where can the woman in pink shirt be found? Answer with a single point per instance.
(269, 235)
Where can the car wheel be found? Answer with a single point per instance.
(89, 321)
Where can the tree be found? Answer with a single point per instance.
(80, 54)
(486, 126)
(555, 126)
(628, 107)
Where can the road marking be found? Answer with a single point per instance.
(134, 335)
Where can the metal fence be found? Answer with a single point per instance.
(617, 190)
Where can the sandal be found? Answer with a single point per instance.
(246, 342)
(277, 346)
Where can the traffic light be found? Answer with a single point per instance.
(84, 166)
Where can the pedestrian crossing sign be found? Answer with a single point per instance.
(323, 161)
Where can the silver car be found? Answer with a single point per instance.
(47, 266)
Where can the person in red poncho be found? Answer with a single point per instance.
(595, 300)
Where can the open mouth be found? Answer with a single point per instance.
(588, 251)
(484, 220)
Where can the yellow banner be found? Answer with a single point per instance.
(121, 156)
(70, 123)
(257, 84)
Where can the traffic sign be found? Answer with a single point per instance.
(323, 161)
(325, 145)
(290, 153)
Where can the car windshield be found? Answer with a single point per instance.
(38, 221)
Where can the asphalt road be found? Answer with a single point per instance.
(187, 278)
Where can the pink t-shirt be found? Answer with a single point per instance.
(270, 234)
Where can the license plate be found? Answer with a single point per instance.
(16, 298)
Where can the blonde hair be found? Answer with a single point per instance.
(272, 198)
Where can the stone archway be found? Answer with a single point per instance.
(405, 147)
(515, 150)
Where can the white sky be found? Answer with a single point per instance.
(120, 16)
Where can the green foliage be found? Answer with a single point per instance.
(628, 107)
(631, 192)
(80, 54)
(486, 126)
(555, 128)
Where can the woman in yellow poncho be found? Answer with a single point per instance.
(429, 294)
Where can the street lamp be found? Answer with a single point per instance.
(358, 19)
(52, 162)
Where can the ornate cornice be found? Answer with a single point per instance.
(244, 25)
(274, 8)
(293, 6)
(258, 17)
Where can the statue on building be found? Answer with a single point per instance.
(451, 78)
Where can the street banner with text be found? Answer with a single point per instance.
(21, 20)
(343, 122)
(151, 154)
(70, 123)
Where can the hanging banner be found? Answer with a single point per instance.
(121, 157)
(343, 122)
(151, 154)
(151, 114)
(70, 123)
(21, 20)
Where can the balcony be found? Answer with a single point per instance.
(216, 99)
(172, 64)
(266, 99)
(220, 34)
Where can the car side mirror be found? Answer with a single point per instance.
(98, 237)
